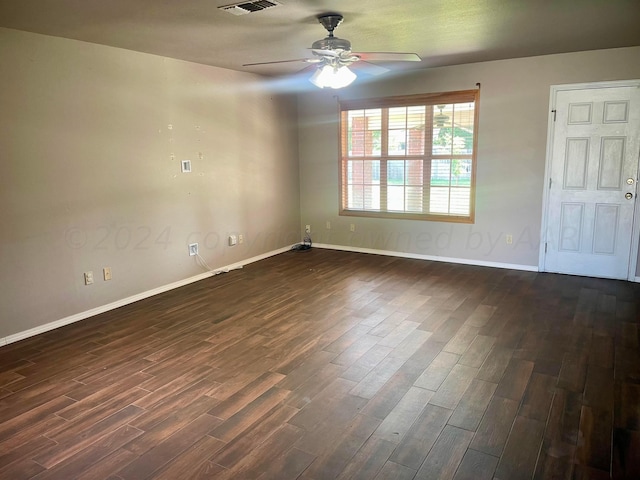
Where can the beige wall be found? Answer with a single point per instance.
(514, 103)
(87, 179)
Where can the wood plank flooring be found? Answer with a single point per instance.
(334, 365)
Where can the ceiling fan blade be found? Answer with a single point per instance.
(306, 60)
(370, 68)
(388, 57)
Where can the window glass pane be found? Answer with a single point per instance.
(453, 129)
(355, 132)
(395, 172)
(397, 118)
(354, 114)
(415, 140)
(397, 142)
(439, 200)
(416, 117)
(356, 196)
(397, 129)
(374, 118)
(460, 201)
(395, 198)
(355, 147)
(372, 197)
(461, 172)
(440, 172)
(414, 172)
(372, 171)
(373, 143)
(413, 199)
(442, 139)
(462, 128)
(363, 133)
(355, 122)
(355, 171)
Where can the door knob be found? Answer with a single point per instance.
(629, 181)
(628, 195)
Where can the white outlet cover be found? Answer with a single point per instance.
(193, 249)
(233, 240)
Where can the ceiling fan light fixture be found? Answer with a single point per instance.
(332, 77)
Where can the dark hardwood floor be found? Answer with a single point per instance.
(323, 364)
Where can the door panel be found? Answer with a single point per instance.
(594, 151)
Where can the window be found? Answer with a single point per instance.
(409, 157)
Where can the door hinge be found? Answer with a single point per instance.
(545, 247)
(554, 114)
(549, 183)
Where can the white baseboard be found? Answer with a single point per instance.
(165, 288)
(134, 298)
(637, 280)
(435, 258)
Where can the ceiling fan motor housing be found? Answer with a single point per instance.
(331, 43)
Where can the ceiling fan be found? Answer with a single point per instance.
(333, 56)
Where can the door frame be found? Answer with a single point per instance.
(635, 229)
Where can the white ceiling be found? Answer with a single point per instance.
(442, 32)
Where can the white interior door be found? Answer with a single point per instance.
(593, 176)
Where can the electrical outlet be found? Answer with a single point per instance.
(509, 239)
(307, 229)
(106, 273)
(232, 240)
(193, 249)
(88, 278)
(352, 227)
(240, 238)
(328, 225)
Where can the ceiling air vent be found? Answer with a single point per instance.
(249, 7)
